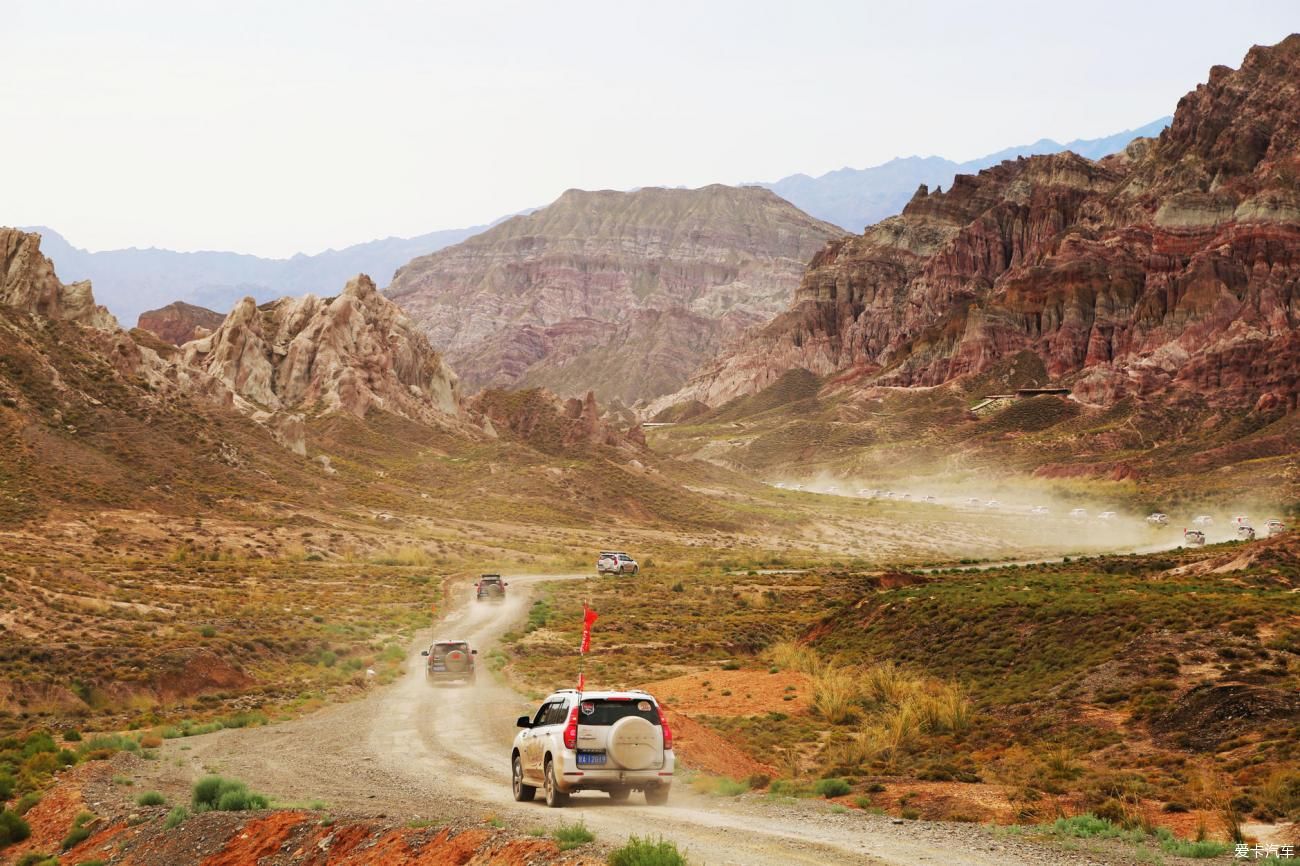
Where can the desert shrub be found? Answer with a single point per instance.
(72, 735)
(12, 828)
(831, 788)
(758, 780)
(730, 788)
(1085, 827)
(835, 694)
(26, 802)
(786, 788)
(175, 817)
(647, 852)
(794, 656)
(886, 683)
(570, 836)
(34, 858)
(1200, 849)
(214, 793)
(75, 837)
(150, 798)
(1279, 796)
(38, 743)
(6, 786)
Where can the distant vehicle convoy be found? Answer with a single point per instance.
(616, 742)
(490, 587)
(616, 562)
(449, 660)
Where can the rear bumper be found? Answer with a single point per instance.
(587, 778)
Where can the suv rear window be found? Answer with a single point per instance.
(607, 712)
(441, 649)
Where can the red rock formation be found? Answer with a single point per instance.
(1172, 269)
(550, 423)
(623, 293)
(179, 322)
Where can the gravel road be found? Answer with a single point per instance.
(413, 751)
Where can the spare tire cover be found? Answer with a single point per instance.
(455, 660)
(633, 743)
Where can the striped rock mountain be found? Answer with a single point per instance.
(620, 293)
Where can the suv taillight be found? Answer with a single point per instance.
(663, 723)
(571, 729)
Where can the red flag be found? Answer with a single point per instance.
(588, 617)
(582, 681)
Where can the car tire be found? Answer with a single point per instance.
(523, 793)
(555, 798)
(636, 569)
(656, 796)
(619, 795)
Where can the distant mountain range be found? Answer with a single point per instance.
(132, 281)
(855, 198)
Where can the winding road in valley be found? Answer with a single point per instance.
(413, 751)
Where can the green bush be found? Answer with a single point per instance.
(730, 788)
(6, 786)
(32, 858)
(213, 793)
(75, 837)
(176, 817)
(12, 828)
(151, 798)
(1199, 850)
(72, 735)
(26, 802)
(570, 836)
(645, 852)
(831, 788)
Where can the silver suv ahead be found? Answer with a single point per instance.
(616, 742)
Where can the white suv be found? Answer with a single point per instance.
(616, 742)
(616, 562)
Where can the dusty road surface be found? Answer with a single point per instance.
(412, 750)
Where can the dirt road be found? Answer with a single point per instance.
(413, 751)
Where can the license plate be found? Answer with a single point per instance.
(586, 759)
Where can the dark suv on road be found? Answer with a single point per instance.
(449, 660)
(490, 587)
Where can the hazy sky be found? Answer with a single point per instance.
(276, 127)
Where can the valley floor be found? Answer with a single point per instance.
(411, 752)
